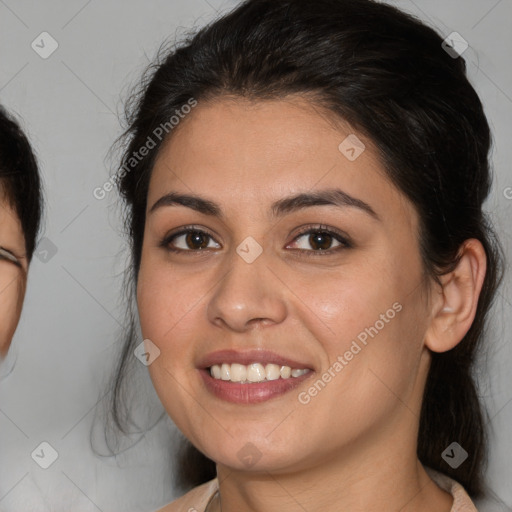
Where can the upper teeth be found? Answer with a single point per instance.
(254, 372)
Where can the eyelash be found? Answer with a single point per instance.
(339, 237)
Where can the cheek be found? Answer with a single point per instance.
(11, 302)
(373, 323)
(169, 304)
(345, 305)
(165, 300)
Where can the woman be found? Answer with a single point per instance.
(20, 214)
(313, 269)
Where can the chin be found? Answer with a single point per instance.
(256, 454)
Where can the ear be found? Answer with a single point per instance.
(454, 306)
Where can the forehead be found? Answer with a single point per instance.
(232, 149)
(245, 136)
(10, 224)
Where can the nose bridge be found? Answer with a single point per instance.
(248, 291)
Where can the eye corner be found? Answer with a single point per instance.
(8, 255)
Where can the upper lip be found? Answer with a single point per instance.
(249, 356)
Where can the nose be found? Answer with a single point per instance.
(248, 296)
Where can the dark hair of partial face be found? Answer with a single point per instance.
(19, 179)
(386, 73)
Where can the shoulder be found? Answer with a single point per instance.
(461, 499)
(193, 501)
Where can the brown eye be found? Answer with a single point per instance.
(196, 240)
(321, 240)
(188, 240)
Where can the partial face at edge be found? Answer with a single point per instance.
(13, 273)
(293, 299)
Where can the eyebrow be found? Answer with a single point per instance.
(286, 205)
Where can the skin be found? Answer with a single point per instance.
(13, 278)
(353, 446)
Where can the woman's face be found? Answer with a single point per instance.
(13, 272)
(346, 301)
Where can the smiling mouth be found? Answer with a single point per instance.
(251, 376)
(252, 386)
(254, 372)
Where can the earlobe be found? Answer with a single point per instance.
(455, 308)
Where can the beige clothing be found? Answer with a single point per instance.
(461, 500)
(197, 499)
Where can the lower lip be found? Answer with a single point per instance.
(250, 393)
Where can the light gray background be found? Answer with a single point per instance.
(66, 341)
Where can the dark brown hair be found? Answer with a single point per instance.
(386, 73)
(19, 178)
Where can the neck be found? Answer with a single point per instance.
(356, 479)
(411, 491)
